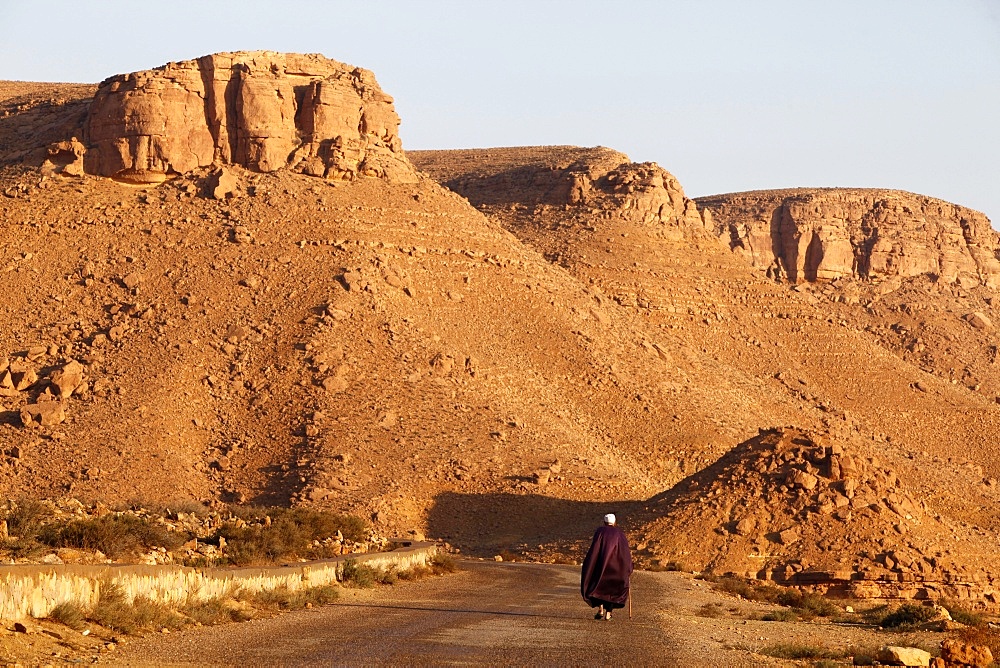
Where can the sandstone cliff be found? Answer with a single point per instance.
(259, 109)
(823, 234)
(594, 179)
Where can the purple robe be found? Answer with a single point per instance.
(606, 569)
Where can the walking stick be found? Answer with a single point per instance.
(630, 603)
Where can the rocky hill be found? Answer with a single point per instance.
(373, 345)
(226, 282)
(889, 367)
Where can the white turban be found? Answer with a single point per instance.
(609, 518)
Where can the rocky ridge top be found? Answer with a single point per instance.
(598, 180)
(258, 109)
(823, 234)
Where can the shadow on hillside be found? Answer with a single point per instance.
(491, 523)
(488, 524)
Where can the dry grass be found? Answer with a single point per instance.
(363, 576)
(115, 612)
(282, 598)
(214, 611)
(804, 605)
(69, 614)
(710, 610)
(800, 651)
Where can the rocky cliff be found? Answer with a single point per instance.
(594, 179)
(823, 234)
(259, 109)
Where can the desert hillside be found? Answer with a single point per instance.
(227, 281)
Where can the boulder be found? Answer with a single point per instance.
(806, 481)
(22, 375)
(979, 320)
(259, 109)
(67, 379)
(746, 526)
(788, 536)
(45, 413)
(65, 157)
(957, 652)
(224, 184)
(904, 656)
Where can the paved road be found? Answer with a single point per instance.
(487, 614)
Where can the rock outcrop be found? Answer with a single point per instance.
(796, 507)
(598, 180)
(259, 109)
(824, 234)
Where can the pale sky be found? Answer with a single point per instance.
(726, 94)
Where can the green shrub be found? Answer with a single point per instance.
(114, 535)
(907, 616)
(69, 614)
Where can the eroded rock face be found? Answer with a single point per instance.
(815, 235)
(259, 109)
(596, 179)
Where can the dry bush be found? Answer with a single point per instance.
(415, 573)
(443, 563)
(213, 611)
(907, 617)
(800, 651)
(710, 610)
(26, 518)
(24, 521)
(289, 533)
(673, 566)
(358, 575)
(806, 605)
(283, 598)
(115, 612)
(962, 614)
(114, 535)
(69, 614)
(783, 615)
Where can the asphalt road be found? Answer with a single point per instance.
(487, 614)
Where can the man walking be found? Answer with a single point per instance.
(604, 581)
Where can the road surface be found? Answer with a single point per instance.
(487, 614)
